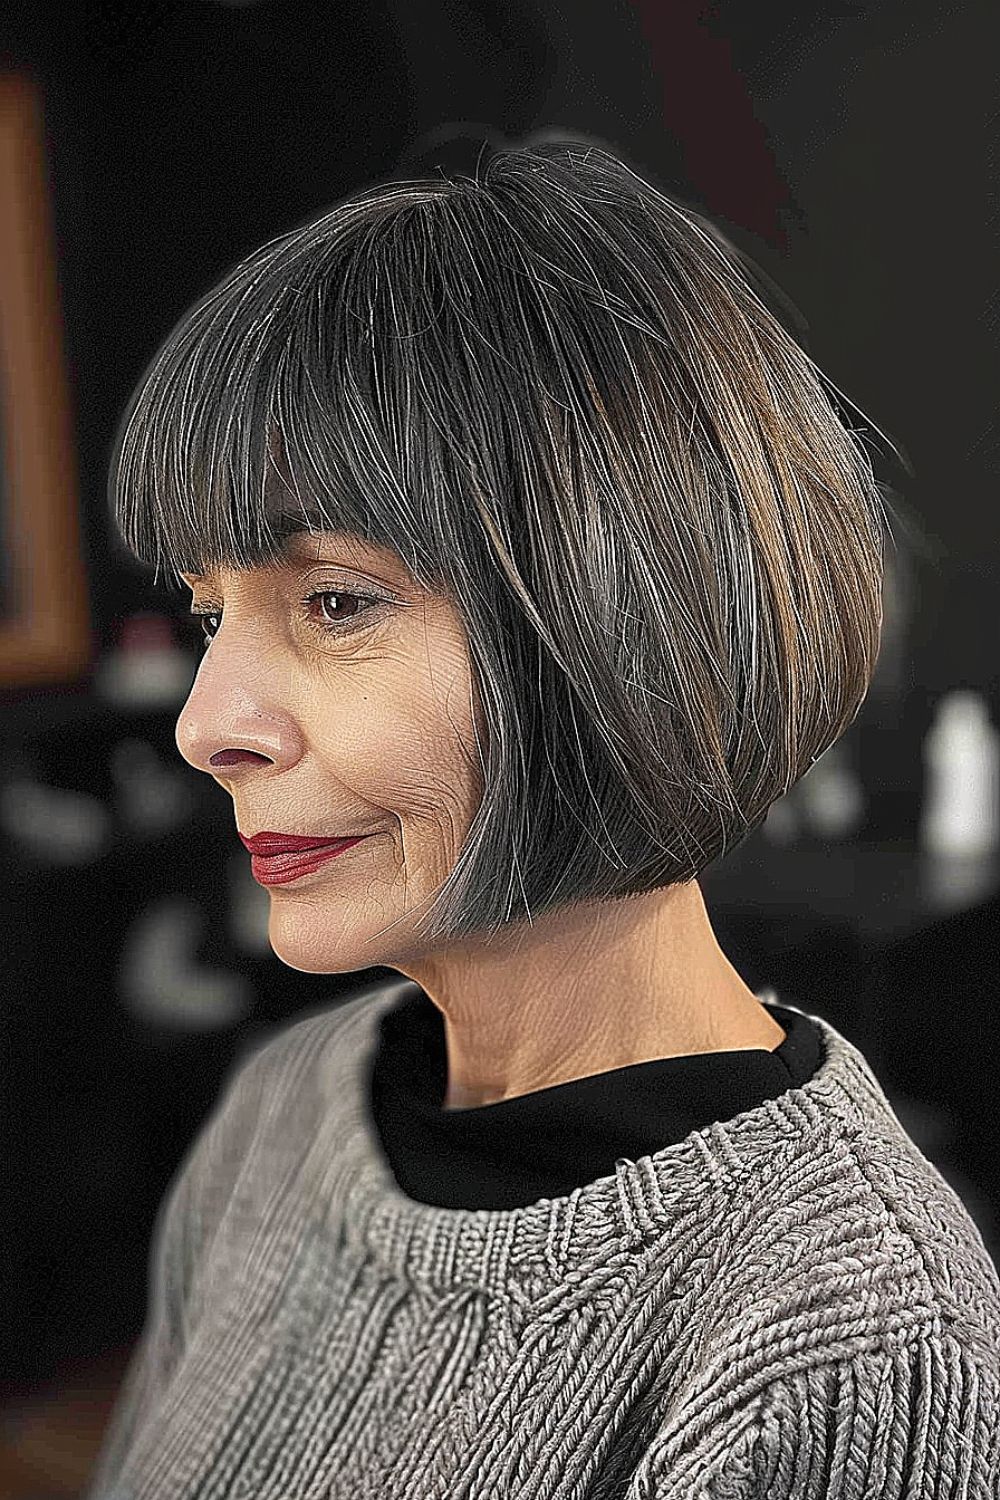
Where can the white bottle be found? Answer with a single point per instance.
(961, 809)
(147, 667)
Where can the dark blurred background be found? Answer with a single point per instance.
(850, 150)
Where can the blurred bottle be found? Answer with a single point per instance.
(162, 980)
(148, 667)
(51, 827)
(152, 799)
(961, 807)
(831, 796)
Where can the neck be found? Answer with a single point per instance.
(585, 990)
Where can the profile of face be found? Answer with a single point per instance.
(335, 698)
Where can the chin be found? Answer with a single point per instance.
(306, 943)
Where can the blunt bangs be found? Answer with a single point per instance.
(553, 392)
(261, 414)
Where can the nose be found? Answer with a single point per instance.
(218, 734)
(238, 716)
(230, 723)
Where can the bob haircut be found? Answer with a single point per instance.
(553, 393)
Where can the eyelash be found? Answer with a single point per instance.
(344, 627)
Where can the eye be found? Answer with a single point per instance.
(364, 605)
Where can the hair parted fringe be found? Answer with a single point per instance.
(555, 395)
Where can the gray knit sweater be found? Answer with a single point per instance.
(792, 1302)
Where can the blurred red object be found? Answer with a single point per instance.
(50, 1439)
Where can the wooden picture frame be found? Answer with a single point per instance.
(45, 625)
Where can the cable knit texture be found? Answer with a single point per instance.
(792, 1303)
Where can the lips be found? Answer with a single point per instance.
(267, 844)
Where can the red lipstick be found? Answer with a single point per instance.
(285, 843)
(278, 858)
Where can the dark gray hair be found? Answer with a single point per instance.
(553, 392)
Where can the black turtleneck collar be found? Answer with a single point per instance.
(545, 1144)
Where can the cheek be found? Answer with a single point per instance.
(422, 771)
(414, 755)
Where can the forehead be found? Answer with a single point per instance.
(300, 545)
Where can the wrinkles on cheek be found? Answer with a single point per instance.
(443, 806)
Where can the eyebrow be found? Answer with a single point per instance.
(294, 535)
(296, 540)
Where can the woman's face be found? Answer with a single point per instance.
(334, 718)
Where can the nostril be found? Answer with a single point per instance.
(231, 757)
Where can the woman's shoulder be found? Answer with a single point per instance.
(283, 1088)
(301, 1034)
(280, 1062)
(857, 1194)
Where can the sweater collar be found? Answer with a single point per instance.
(613, 1216)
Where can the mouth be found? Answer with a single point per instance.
(269, 844)
(279, 869)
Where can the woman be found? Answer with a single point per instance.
(535, 561)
